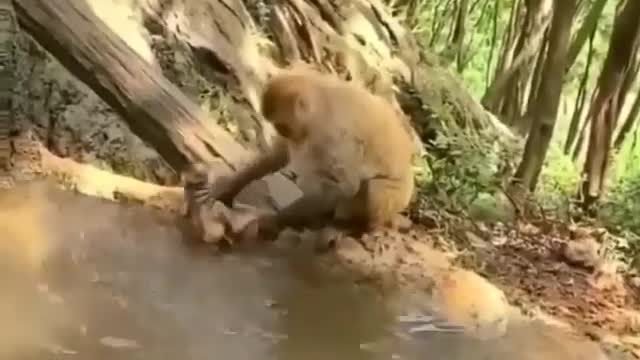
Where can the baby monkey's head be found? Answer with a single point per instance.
(290, 102)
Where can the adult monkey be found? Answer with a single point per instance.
(349, 147)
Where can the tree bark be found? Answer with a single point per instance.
(585, 32)
(629, 80)
(631, 119)
(494, 38)
(603, 113)
(548, 96)
(155, 110)
(522, 124)
(509, 39)
(578, 109)
(459, 34)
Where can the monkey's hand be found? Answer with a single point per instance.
(224, 189)
(196, 182)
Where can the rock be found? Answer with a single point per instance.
(402, 223)
(606, 276)
(582, 252)
(631, 320)
(467, 299)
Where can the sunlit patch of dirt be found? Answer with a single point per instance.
(24, 240)
(24, 244)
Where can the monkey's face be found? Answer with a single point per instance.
(286, 105)
(287, 127)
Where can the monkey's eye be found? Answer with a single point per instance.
(282, 129)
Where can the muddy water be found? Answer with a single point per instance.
(118, 282)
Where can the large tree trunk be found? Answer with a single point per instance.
(154, 108)
(603, 113)
(548, 95)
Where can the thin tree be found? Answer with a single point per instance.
(588, 27)
(523, 124)
(581, 97)
(545, 108)
(440, 17)
(459, 33)
(508, 39)
(505, 95)
(494, 37)
(603, 112)
(626, 127)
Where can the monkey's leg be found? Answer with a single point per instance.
(377, 205)
(386, 198)
(313, 211)
(309, 210)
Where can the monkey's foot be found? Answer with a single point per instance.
(401, 223)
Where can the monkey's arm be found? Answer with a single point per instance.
(307, 211)
(226, 188)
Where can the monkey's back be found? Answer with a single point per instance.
(372, 122)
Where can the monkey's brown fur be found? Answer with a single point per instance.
(348, 146)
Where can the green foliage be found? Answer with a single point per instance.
(559, 180)
(622, 206)
(470, 170)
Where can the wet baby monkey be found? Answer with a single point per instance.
(349, 148)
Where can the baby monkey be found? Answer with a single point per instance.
(352, 155)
